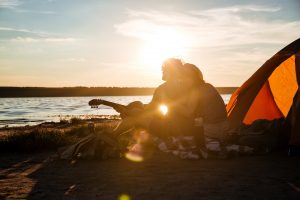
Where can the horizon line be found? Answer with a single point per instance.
(98, 86)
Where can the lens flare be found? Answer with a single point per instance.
(135, 153)
(139, 151)
(134, 156)
(163, 109)
(124, 197)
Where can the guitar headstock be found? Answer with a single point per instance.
(94, 103)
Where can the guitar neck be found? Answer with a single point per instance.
(112, 104)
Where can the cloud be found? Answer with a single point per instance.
(9, 3)
(20, 30)
(44, 40)
(45, 12)
(229, 42)
(216, 27)
(33, 36)
(15, 4)
(77, 60)
(240, 8)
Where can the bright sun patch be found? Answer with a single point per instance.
(161, 45)
(163, 109)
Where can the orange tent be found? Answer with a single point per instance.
(271, 92)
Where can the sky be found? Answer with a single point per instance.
(122, 43)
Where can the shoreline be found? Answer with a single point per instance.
(66, 119)
(16, 92)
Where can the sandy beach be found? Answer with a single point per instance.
(208, 93)
(42, 175)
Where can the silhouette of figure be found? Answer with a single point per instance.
(166, 94)
(205, 105)
(168, 91)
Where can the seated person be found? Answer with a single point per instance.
(167, 95)
(203, 101)
(148, 116)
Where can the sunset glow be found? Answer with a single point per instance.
(146, 100)
(62, 43)
(161, 45)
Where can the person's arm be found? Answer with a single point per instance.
(155, 100)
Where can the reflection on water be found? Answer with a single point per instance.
(30, 111)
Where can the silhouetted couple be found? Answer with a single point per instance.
(191, 107)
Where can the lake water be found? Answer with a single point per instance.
(31, 111)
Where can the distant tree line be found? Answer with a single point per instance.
(84, 91)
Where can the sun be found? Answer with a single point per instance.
(161, 45)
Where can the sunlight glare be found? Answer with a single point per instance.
(163, 109)
(162, 44)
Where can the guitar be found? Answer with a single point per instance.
(129, 109)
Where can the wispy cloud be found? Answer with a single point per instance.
(242, 8)
(35, 36)
(242, 37)
(213, 27)
(44, 40)
(45, 12)
(14, 5)
(9, 3)
(76, 60)
(21, 30)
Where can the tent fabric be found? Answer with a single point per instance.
(283, 85)
(270, 93)
(263, 106)
(295, 110)
(295, 119)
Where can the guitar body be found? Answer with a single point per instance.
(132, 109)
(135, 105)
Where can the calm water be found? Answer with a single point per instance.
(30, 111)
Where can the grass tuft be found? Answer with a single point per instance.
(42, 139)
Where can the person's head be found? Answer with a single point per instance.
(170, 69)
(191, 75)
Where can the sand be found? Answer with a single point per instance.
(161, 176)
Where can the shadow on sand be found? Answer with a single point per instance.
(159, 177)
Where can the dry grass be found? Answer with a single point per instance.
(49, 136)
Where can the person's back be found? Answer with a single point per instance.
(207, 107)
(211, 106)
